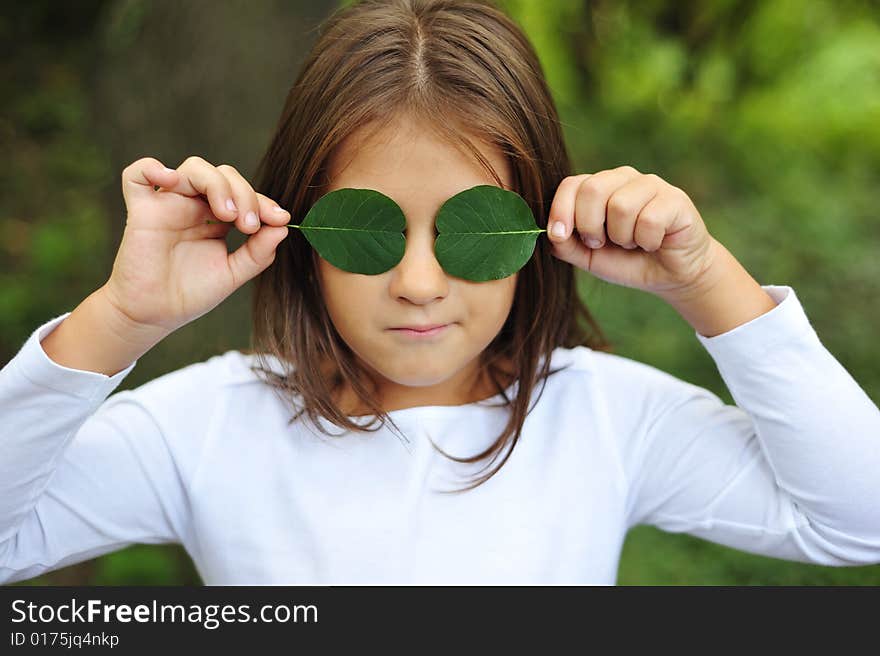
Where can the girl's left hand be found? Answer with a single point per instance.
(652, 237)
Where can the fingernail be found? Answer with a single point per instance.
(594, 243)
(167, 170)
(251, 220)
(230, 205)
(278, 208)
(559, 229)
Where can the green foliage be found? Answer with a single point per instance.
(146, 565)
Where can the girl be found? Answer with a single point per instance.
(564, 445)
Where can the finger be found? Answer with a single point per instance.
(204, 225)
(200, 178)
(141, 176)
(252, 210)
(245, 198)
(565, 244)
(591, 203)
(271, 212)
(653, 221)
(617, 265)
(624, 206)
(257, 253)
(562, 208)
(606, 263)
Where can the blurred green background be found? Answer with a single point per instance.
(766, 113)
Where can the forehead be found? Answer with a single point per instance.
(408, 157)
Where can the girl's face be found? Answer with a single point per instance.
(417, 170)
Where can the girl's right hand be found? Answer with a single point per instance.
(172, 266)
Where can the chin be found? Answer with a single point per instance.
(415, 378)
(414, 371)
(396, 366)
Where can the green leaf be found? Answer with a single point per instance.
(485, 232)
(356, 230)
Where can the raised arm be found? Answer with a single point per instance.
(80, 473)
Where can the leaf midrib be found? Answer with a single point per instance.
(445, 232)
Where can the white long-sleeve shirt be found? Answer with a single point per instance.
(204, 456)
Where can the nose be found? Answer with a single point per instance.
(418, 276)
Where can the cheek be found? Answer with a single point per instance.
(489, 303)
(348, 297)
(504, 298)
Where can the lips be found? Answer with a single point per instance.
(422, 332)
(421, 328)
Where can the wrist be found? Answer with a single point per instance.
(717, 266)
(124, 327)
(121, 321)
(723, 297)
(96, 338)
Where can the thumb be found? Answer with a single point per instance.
(611, 263)
(257, 253)
(567, 245)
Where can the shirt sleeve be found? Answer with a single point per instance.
(81, 474)
(791, 471)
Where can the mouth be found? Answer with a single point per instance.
(421, 331)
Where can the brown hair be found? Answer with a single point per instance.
(463, 67)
